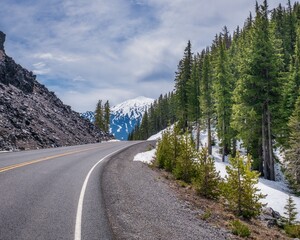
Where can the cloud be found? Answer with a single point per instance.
(112, 49)
(40, 68)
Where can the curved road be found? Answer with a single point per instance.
(55, 193)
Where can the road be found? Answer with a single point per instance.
(55, 193)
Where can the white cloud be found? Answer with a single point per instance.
(56, 57)
(79, 79)
(41, 71)
(112, 49)
(39, 65)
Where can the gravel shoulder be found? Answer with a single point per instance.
(140, 204)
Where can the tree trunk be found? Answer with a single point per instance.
(209, 136)
(240, 192)
(234, 147)
(198, 136)
(270, 147)
(264, 152)
(268, 162)
(224, 140)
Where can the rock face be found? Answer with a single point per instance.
(32, 117)
(2, 40)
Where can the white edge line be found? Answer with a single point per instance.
(77, 234)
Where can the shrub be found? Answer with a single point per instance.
(207, 179)
(240, 229)
(184, 166)
(291, 211)
(239, 188)
(168, 150)
(206, 215)
(164, 151)
(292, 230)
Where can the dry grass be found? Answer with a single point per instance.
(214, 213)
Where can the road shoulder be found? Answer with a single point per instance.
(140, 205)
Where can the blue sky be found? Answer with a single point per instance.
(112, 49)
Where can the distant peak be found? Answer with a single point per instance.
(2, 40)
(141, 98)
(132, 103)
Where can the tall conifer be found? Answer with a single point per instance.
(206, 99)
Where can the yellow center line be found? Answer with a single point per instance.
(7, 168)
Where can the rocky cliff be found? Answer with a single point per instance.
(32, 117)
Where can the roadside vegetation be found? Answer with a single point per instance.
(246, 87)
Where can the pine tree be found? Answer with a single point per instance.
(106, 116)
(239, 188)
(293, 152)
(144, 128)
(184, 169)
(169, 149)
(164, 154)
(291, 89)
(207, 179)
(193, 85)
(291, 211)
(258, 90)
(182, 77)
(99, 115)
(193, 91)
(222, 95)
(206, 97)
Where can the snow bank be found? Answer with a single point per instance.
(145, 157)
(158, 135)
(155, 137)
(277, 192)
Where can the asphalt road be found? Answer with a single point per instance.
(55, 193)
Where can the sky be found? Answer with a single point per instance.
(112, 50)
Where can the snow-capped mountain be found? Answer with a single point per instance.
(90, 115)
(126, 115)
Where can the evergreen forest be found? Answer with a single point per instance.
(244, 87)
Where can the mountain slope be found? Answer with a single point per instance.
(33, 117)
(126, 115)
(89, 115)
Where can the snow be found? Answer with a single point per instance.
(126, 115)
(134, 108)
(146, 157)
(159, 134)
(277, 191)
(113, 140)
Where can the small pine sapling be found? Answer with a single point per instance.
(207, 179)
(240, 190)
(164, 151)
(185, 169)
(291, 211)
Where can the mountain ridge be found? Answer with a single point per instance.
(124, 116)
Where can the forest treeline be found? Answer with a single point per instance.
(245, 86)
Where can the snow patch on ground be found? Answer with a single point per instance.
(277, 191)
(146, 157)
(158, 135)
